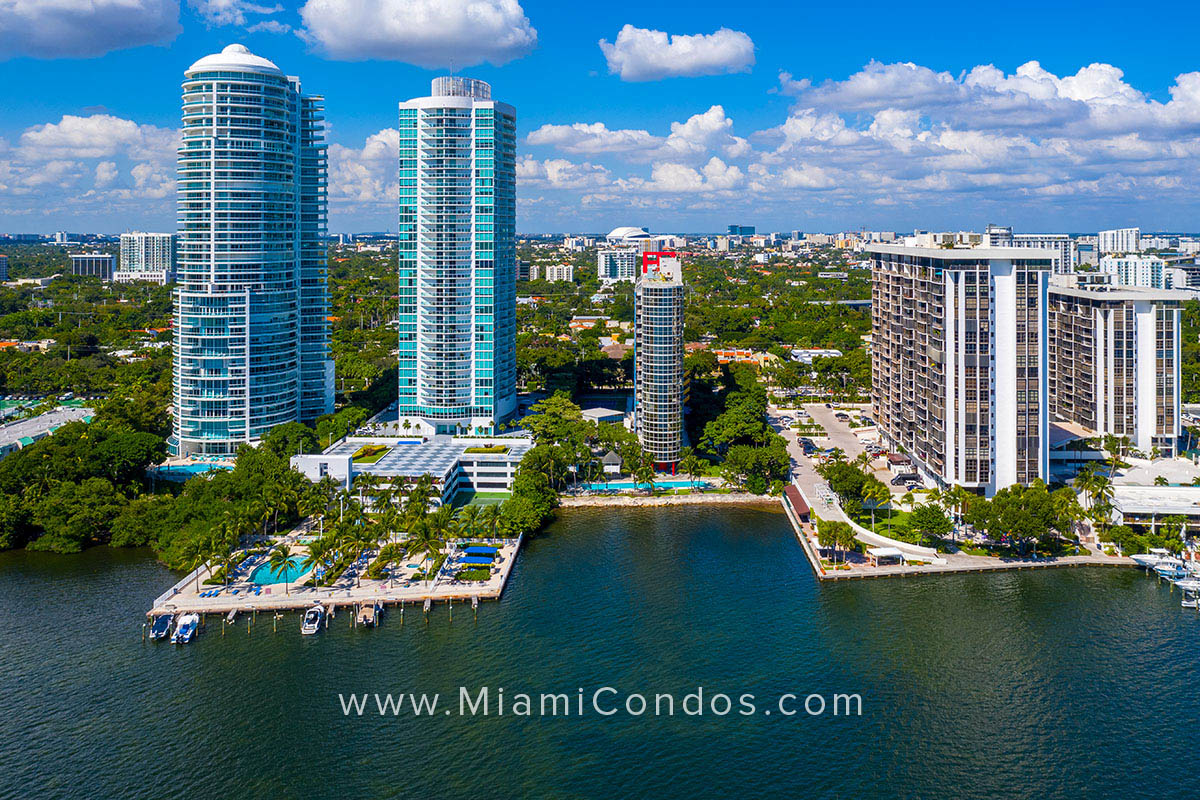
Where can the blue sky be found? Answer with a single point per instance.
(678, 116)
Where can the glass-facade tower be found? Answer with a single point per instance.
(252, 301)
(658, 357)
(457, 259)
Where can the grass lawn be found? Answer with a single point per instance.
(885, 521)
(494, 449)
(369, 453)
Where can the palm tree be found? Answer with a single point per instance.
(318, 553)
(878, 494)
(422, 540)
(690, 464)
(279, 561)
(469, 519)
(1085, 484)
(645, 473)
(419, 496)
(490, 519)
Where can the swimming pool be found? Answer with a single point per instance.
(668, 484)
(264, 576)
(183, 472)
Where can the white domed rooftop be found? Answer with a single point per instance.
(236, 57)
(627, 233)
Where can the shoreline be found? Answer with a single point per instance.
(635, 501)
(960, 565)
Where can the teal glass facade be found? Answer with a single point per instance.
(457, 258)
(251, 303)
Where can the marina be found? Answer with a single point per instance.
(256, 585)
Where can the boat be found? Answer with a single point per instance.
(231, 616)
(160, 627)
(1191, 592)
(368, 615)
(312, 620)
(1151, 558)
(186, 628)
(1171, 569)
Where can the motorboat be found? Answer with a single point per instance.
(160, 627)
(368, 615)
(231, 616)
(1171, 569)
(186, 628)
(1191, 592)
(313, 618)
(1151, 558)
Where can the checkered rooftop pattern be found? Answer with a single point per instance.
(436, 457)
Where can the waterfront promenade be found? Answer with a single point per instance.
(823, 503)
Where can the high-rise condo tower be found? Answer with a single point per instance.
(457, 259)
(251, 307)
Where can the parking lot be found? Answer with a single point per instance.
(839, 434)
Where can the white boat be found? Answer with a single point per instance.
(185, 629)
(312, 620)
(231, 616)
(160, 628)
(368, 615)
(1191, 592)
(1171, 568)
(1151, 558)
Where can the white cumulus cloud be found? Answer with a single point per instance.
(84, 28)
(639, 54)
(559, 173)
(231, 12)
(428, 33)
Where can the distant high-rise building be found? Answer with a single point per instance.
(1120, 240)
(96, 265)
(1061, 243)
(658, 357)
(621, 259)
(959, 360)
(457, 258)
(741, 230)
(1114, 356)
(614, 265)
(146, 257)
(1152, 272)
(560, 272)
(252, 302)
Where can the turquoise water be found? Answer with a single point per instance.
(664, 484)
(184, 472)
(1071, 683)
(264, 575)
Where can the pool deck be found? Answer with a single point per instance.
(349, 590)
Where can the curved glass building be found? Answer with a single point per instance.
(658, 357)
(251, 304)
(457, 260)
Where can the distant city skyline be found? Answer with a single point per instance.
(681, 119)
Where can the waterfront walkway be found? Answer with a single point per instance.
(823, 503)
